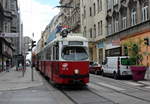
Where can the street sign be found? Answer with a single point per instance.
(7, 35)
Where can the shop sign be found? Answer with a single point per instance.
(115, 42)
(110, 46)
(7, 35)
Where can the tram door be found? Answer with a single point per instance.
(55, 62)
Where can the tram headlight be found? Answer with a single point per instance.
(76, 71)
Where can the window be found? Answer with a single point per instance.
(94, 30)
(133, 17)
(144, 13)
(90, 11)
(116, 26)
(109, 4)
(85, 31)
(100, 30)
(74, 53)
(109, 29)
(48, 53)
(94, 9)
(56, 52)
(84, 12)
(6, 4)
(90, 32)
(115, 2)
(124, 22)
(99, 5)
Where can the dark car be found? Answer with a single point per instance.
(95, 68)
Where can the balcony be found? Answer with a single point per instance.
(7, 14)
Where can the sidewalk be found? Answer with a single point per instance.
(13, 79)
(147, 74)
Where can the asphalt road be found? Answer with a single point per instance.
(100, 90)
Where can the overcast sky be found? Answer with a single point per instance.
(36, 14)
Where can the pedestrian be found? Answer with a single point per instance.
(7, 65)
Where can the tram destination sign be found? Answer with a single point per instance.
(9, 35)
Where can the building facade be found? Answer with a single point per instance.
(9, 23)
(125, 18)
(93, 26)
(70, 14)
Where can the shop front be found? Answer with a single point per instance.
(144, 49)
(100, 51)
(113, 48)
(5, 53)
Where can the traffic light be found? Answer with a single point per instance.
(146, 41)
(33, 43)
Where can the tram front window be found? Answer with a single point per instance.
(74, 53)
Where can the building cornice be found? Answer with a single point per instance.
(141, 27)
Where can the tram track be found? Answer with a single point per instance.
(88, 93)
(75, 95)
(123, 83)
(121, 92)
(66, 92)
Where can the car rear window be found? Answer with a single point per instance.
(127, 61)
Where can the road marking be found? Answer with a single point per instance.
(147, 87)
(145, 82)
(110, 86)
(134, 83)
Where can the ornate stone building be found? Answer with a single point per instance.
(9, 23)
(93, 26)
(70, 14)
(125, 18)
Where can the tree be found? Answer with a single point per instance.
(133, 50)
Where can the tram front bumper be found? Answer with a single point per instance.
(75, 79)
(74, 76)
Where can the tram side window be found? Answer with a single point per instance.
(56, 52)
(48, 53)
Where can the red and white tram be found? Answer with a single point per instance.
(65, 60)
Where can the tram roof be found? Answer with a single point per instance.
(70, 37)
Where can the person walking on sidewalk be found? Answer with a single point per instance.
(7, 65)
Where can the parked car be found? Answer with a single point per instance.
(94, 68)
(116, 66)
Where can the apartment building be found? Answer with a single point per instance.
(127, 20)
(70, 14)
(9, 23)
(93, 27)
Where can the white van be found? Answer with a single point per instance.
(116, 66)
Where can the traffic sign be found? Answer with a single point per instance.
(7, 35)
